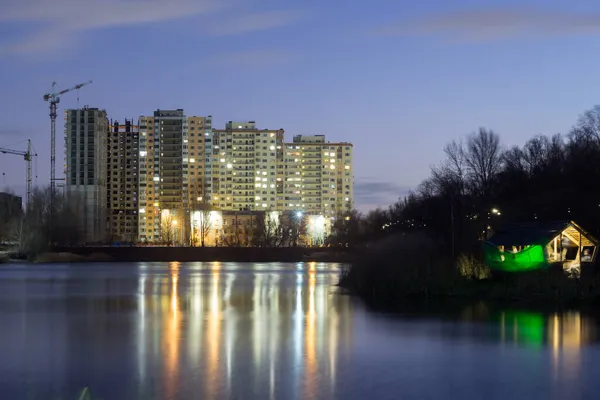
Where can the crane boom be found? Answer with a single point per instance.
(55, 95)
(54, 98)
(27, 156)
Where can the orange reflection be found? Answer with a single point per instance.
(173, 333)
(566, 335)
(243, 332)
(310, 338)
(213, 334)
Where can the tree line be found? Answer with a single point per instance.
(481, 185)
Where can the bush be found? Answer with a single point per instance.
(406, 266)
(471, 267)
(399, 266)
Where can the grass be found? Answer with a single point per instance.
(85, 394)
(413, 267)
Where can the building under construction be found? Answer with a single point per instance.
(122, 181)
(86, 169)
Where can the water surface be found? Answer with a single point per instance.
(269, 331)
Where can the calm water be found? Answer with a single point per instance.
(269, 331)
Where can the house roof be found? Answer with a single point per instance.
(534, 233)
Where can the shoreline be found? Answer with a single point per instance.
(191, 254)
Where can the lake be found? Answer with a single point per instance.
(270, 331)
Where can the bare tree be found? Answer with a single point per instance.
(266, 231)
(589, 123)
(167, 229)
(202, 227)
(513, 159)
(294, 228)
(483, 159)
(449, 178)
(34, 233)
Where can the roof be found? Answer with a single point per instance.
(534, 233)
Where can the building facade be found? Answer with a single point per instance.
(248, 168)
(86, 165)
(174, 173)
(123, 181)
(319, 176)
(191, 176)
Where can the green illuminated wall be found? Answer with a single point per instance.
(530, 258)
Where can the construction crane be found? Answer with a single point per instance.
(54, 98)
(27, 155)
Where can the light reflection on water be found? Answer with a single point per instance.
(269, 331)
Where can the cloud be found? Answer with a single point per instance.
(500, 23)
(254, 22)
(377, 193)
(93, 14)
(253, 58)
(61, 22)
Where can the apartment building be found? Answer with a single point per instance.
(248, 167)
(175, 158)
(86, 145)
(199, 161)
(123, 181)
(318, 176)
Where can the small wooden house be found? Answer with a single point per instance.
(526, 247)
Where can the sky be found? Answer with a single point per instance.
(397, 78)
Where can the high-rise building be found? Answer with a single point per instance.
(174, 173)
(199, 161)
(247, 167)
(86, 168)
(122, 181)
(319, 176)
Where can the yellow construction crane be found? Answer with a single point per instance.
(54, 98)
(27, 155)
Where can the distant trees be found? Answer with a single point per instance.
(38, 228)
(480, 185)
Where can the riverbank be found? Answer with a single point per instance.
(406, 268)
(187, 254)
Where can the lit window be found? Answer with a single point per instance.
(192, 160)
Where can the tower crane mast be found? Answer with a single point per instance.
(27, 156)
(54, 98)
